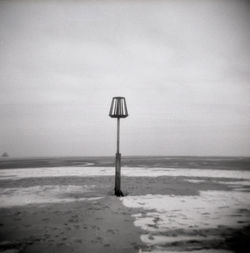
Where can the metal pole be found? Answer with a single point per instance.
(118, 191)
(118, 136)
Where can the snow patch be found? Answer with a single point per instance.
(210, 209)
(126, 171)
(43, 194)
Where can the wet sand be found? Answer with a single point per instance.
(164, 211)
(91, 226)
(79, 221)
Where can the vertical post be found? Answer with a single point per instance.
(118, 191)
(118, 136)
(118, 110)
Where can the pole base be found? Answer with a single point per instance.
(119, 193)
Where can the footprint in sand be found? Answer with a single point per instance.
(46, 235)
(60, 244)
(99, 239)
(78, 240)
(99, 218)
(240, 221)
(111, 231)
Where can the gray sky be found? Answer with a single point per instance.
(183, 66)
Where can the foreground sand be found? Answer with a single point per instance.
(49, 210)
(91, 226)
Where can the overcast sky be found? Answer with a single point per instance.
(183, 66)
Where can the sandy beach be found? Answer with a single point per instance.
(63, 209)
(152, 95)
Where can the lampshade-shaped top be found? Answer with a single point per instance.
(118, 108)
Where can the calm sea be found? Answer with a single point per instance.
(228, 163)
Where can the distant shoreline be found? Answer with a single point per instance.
(125, 156)
(211, 162)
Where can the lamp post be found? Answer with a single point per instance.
(118, 110)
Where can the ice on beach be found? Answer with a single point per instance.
(43, 194)
(185, 172)
(126, 171)
(157, 242)
(210, 209)
(159, 215)
(55, 172)
(195, 181)
(235, 183)
(161, 239)
(193, 251)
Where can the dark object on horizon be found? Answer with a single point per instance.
(5, 154)
(118, 110)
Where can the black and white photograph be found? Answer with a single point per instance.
(124, 126)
